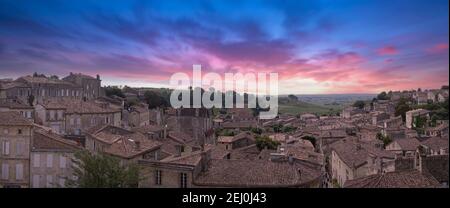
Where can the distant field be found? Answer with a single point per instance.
(303, 107)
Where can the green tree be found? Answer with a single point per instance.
(98, 170)
(359, 104)
(311, 139)
(155, 99)
(277, 128)
(385, 139)
(263, 142)
(110, 91)
(256, 130)
(382, 96)
(401, 108)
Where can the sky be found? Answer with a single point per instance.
(315, 46)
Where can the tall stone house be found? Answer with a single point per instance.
(15, 136)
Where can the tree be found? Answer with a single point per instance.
(155, 99)
(382, 96)
(401, 108)
(256, 130)
(110, 91)
(311, 139)
(359, 104)
(293, 97)
(263, 142)
(385, 139)
(98, 170)
(277, 128)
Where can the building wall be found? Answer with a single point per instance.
(170, 177)
(50, 168)
(340, 171)
(15, 155)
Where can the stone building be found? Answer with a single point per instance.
(353, 159)
(137, 115)
(25, 110)
(412, 115)
(91, 87)
(126, 145)
(15, 136)
(196, 122)
(51, 159)
(42, 87)
(233, 142)
(72, 117)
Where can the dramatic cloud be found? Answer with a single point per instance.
(314, 46)
(388, 50)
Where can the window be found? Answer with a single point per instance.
(20, 148)
(71, 121)
(52, 115)
(62, 182)
(37, 160)
(36, 179)
(158, 177)
(19, 171)
(62, 162)
(183, 180)
(5, 148)
(19, 131)
(60, 115)
(49, 160)
(49, 181)
(5, 171)
(78, 121)
(28, 114)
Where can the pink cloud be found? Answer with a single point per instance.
(388, 50)
(438, 48)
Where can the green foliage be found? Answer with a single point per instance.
(263, 142)
(359, 104)
(335, 183)
(156, 99)
(401, 108)
(102, 171)
(311, 139)
(110, 91)
(225, 132)
(383, 96)
(277, 128)
(293, 97)
(386, 140)
(256, 130)
(287, 129)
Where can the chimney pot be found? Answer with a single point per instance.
(138, 145)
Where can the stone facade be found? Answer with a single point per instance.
(15, 136)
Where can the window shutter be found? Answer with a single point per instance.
(49, 160)
(49, 180)
(62, 162)
(37, 160)
(6, 147)
(36, 181)
(19, 171)
(5, 171)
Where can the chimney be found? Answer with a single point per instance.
(205, 157)
(291, 159)
(137, 145)
(358, 146)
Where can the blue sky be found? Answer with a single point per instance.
(316, 46)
